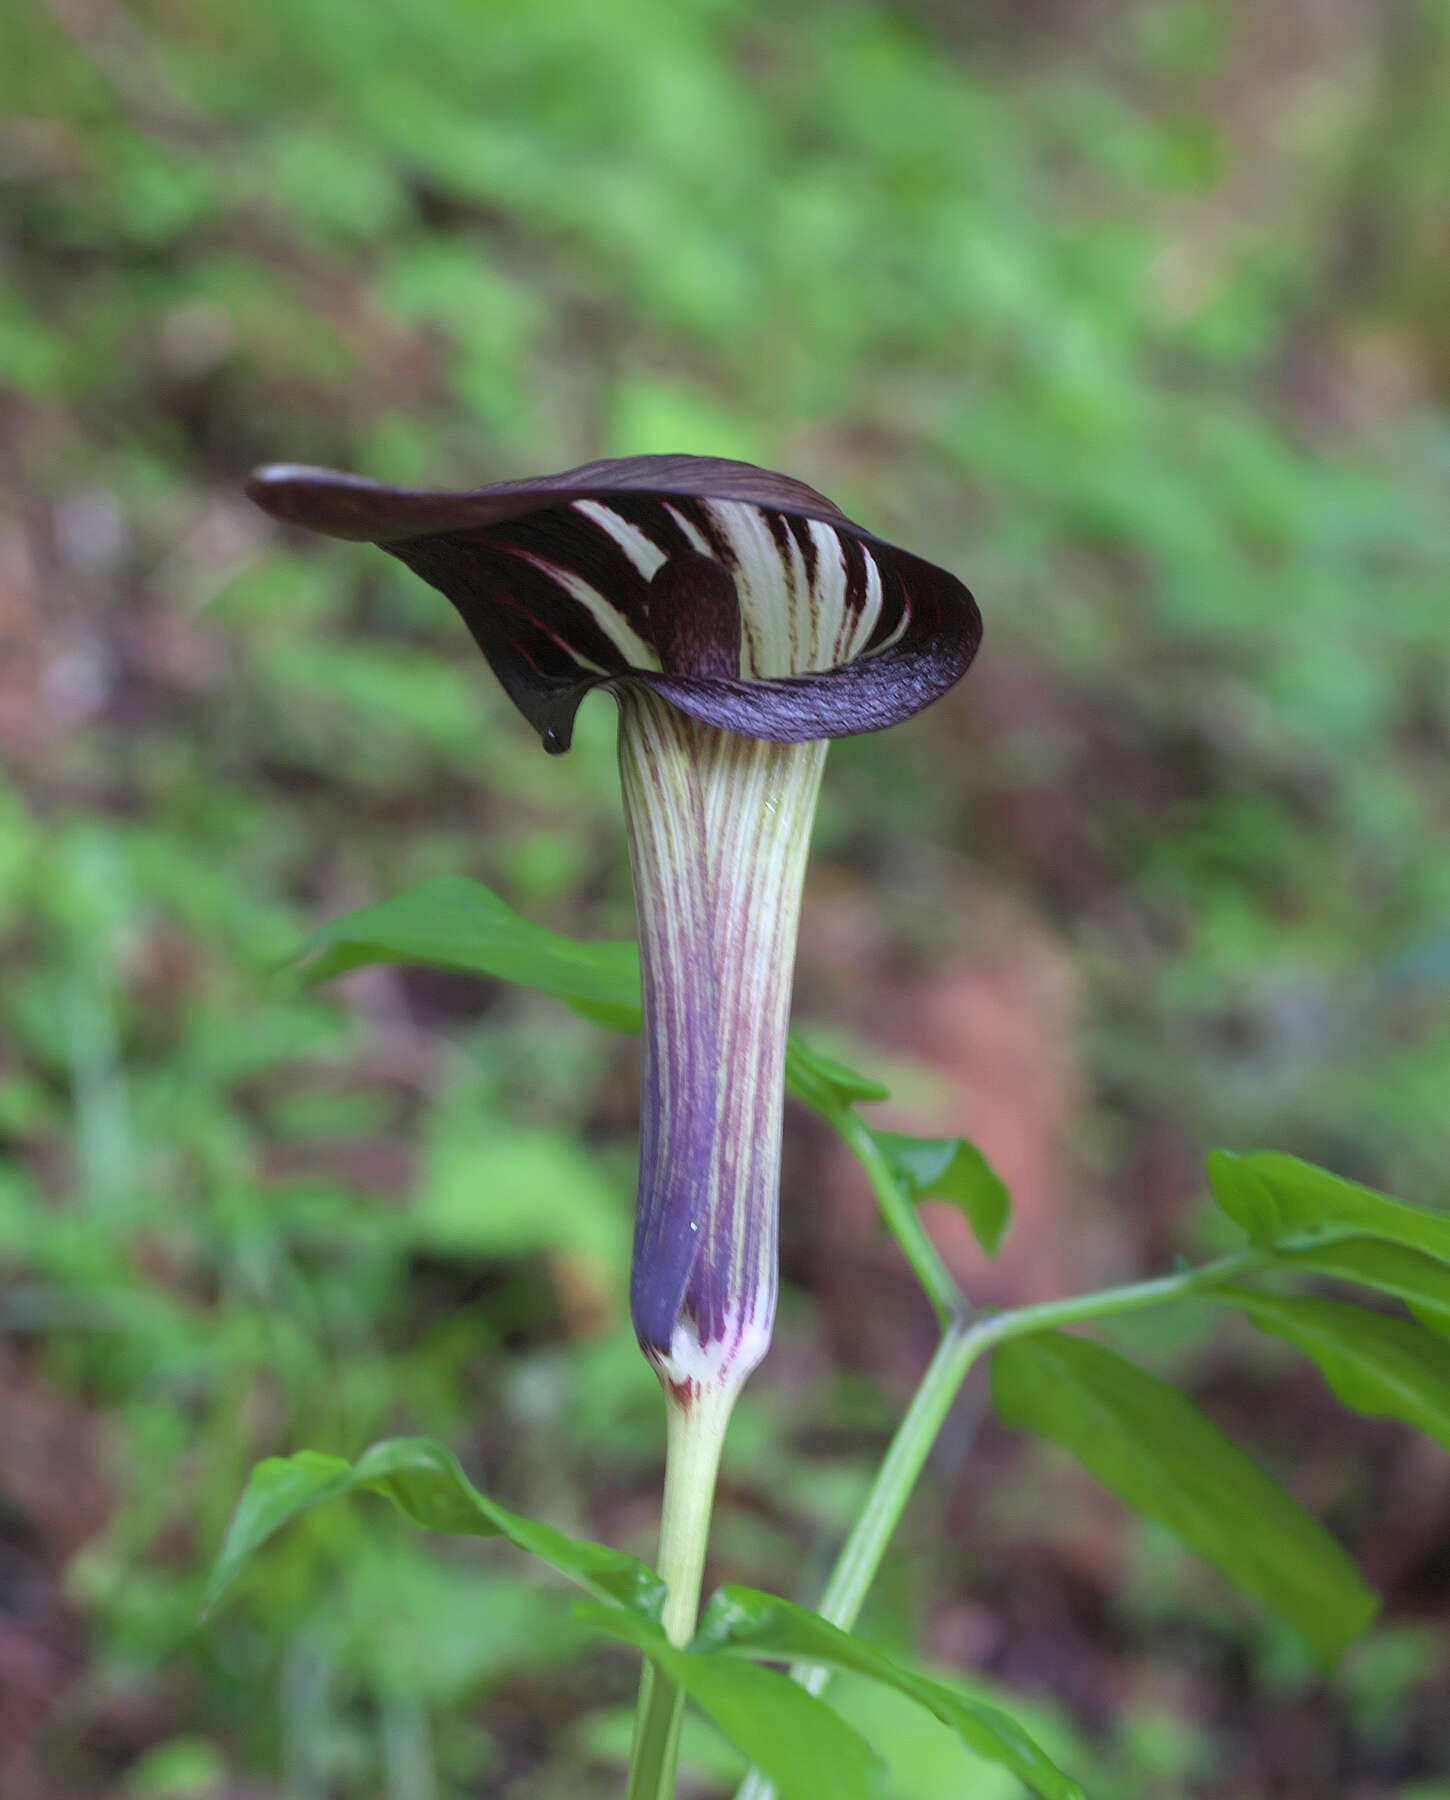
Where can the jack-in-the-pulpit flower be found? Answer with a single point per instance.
(741, 620)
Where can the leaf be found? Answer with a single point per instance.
(1433, 1318)
(804, 1746)
(825, 1084)
(954, 1169)
(746, 1622)
(466, 927)
(1275, 1197)
(423, 1480)
(1155, 1450)
(625, 1019)
(1419, 1280)
(1387, 1368)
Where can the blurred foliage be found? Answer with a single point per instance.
(1135, 316)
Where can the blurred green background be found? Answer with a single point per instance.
(1133, 313)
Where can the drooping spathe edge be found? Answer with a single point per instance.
(374, 512)
(869, 693)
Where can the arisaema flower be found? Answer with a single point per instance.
(740, 620)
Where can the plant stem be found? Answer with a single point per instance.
(903, 1220)
(861, 1555)
(1047, 1315)
(696, 1425)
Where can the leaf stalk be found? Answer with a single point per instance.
(963, 1341)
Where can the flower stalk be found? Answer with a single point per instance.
(719, 830)
(696, 1437)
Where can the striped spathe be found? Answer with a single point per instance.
(740, 619)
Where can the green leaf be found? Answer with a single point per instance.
(1156, 1451)
(423, 1480)
(1387, 1368)
(749, 1623)
(464, 926)
(1275, 1197)
(625, 1019)
(1420, 1281)
(804, 1746)
(825, 1084)
(954, 1169)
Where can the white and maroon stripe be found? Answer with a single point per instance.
(811, 598)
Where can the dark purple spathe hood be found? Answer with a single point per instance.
(743, 597)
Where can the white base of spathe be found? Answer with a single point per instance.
(691, 1368)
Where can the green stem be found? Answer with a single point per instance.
(696, 1428)
(902, 1218)
(861, 1555)
(996, 1328)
